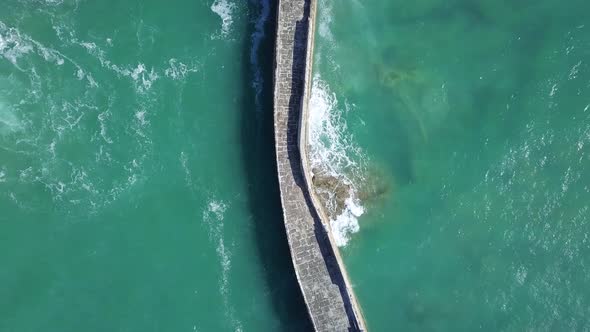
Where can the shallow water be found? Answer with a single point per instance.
(467, 126)
(135, 148)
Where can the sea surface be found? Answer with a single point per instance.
(136, 169)
(462, 129)
(137, 187)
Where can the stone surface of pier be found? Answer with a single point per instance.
(320, 273)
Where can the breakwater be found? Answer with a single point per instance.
(321, 275)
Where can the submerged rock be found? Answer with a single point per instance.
(373, 191)
(332, 192)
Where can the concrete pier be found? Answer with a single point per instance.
(321, 275)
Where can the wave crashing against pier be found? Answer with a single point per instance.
(329, 299)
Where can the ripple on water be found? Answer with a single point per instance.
(75, 139)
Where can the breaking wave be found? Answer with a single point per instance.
(335, 157)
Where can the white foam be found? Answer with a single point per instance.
(213, 216)
(554, 89)
(331, 144)
(574, 71)
(225, 259)
(224, 10)
(187, 172)
(217, 208)
(142, 78)
(72, 179)
(12, 44)
(333, 152)
(347, 222)
(2, 175)
(140, 116)
(80, 74)
(521, 275)
(140, 69)
(53, 2)
(178, 70)
(49, 54)
(88, 46)
(102, 117)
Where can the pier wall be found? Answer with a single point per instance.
(321, 275)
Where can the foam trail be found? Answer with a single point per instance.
(187, 173)
(14, 45)
(71, 180)
(213, 217)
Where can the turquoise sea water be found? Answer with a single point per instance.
(136, 148)
(135, 153)
(466, 126)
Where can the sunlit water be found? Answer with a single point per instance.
(135, 153)
(464, 127)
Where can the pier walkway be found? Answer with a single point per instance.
(330, 301)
